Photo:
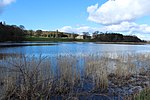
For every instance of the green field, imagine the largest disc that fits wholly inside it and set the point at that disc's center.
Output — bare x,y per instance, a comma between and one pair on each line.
56,39
45,39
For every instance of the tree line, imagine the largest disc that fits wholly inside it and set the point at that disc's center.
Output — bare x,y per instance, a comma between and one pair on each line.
18,33
115,37
11,32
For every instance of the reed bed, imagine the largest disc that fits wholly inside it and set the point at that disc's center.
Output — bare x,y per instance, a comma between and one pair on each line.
65,77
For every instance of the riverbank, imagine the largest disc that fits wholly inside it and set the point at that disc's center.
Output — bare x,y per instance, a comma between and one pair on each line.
43,39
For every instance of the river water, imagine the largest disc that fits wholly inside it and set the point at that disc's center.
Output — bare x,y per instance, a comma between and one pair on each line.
69,48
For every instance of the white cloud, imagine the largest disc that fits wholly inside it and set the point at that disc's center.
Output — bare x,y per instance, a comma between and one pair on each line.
117,11
4,3
129,27
78,30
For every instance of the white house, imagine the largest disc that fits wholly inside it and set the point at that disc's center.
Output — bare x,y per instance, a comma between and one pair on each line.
80,37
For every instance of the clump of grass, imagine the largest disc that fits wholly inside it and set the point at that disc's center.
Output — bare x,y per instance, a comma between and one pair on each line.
97,71
144,95
67,74
125,66
26,79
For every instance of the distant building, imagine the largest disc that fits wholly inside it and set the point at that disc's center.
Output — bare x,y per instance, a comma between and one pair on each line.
83,37
1,23
80,37
57,34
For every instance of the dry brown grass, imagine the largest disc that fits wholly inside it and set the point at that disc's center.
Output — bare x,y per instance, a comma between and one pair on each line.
26,79
97,72
36,77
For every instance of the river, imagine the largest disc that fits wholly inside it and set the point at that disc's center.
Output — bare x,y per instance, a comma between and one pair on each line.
69,48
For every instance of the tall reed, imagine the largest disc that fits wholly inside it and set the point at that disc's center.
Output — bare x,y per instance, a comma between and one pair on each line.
42,77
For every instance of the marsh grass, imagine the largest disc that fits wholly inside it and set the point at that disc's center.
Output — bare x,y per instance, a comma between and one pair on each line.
67,74
125,66
25,78
37,78
97,72
144,95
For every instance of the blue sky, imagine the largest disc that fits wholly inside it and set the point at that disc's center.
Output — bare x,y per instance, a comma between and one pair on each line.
129,17
47,14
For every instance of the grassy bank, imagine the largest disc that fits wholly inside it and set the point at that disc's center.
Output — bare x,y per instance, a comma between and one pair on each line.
45,39
64,77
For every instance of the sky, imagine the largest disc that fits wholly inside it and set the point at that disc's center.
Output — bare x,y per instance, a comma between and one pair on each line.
128,17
